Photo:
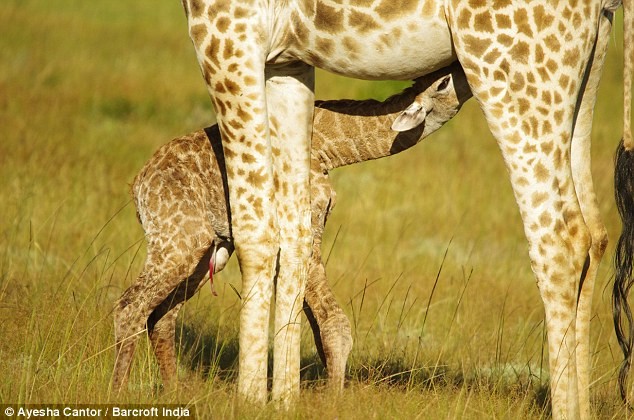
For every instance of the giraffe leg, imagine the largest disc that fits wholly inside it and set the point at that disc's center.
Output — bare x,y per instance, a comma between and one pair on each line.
582,177
156,289
530,102
289,91
231,55
331,327
161,323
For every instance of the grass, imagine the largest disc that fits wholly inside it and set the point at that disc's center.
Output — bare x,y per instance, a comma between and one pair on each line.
435,276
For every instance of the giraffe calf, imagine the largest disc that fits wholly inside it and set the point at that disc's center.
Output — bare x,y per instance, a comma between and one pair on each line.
182,202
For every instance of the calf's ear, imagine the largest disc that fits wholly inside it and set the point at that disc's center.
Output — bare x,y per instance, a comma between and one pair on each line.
412,117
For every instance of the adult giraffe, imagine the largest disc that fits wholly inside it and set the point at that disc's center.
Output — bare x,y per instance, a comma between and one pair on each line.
533,67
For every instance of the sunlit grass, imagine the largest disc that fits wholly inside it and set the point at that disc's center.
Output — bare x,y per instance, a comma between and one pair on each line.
434,276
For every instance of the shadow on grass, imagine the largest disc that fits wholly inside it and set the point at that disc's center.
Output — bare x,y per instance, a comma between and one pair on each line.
216,357
398,374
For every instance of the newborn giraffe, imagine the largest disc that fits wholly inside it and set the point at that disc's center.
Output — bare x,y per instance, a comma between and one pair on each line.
181,200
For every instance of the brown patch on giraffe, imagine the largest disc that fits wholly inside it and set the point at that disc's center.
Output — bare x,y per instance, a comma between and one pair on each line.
362,22
196,8
242,12
328,19
228,51
542,19
538,198
520,17
483,22
222,24
540,172
240,28
394,9
547,148
571,57
552,43
503,21
464,18
325,45
523,106
518,83
213,49
520,52
232,87
198,33
476,46
429,8
545,219
491,57
351,45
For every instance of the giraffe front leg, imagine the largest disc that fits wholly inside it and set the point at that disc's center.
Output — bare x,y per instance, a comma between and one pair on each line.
290,99
231,42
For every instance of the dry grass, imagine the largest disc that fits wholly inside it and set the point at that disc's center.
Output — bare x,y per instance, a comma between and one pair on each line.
89,91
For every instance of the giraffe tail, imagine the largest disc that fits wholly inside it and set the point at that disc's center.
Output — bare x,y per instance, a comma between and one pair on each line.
624,261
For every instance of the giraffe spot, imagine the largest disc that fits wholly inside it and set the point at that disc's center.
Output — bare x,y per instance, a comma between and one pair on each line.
547,147
505,40
240,28
539,54
571,57
235,124
518,83
232,86
491,57
476,46
213,49
394,9
543,74
351,45
520,52
198,33
503,21
539,198
362,22
325,45
228,50
328,19
559,116
196,8
540,172
552,43
222,24
542,19
483,22
523,106
545,219
464,18
429,8
520,17
241,12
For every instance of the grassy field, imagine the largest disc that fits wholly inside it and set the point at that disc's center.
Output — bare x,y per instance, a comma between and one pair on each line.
88,90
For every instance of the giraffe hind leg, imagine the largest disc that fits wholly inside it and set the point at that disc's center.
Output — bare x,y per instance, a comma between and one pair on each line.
161,323
582,178
157,281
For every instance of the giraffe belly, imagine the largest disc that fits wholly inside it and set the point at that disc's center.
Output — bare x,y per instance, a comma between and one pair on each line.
411,44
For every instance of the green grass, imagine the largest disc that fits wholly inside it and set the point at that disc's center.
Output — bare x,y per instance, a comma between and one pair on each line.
88,90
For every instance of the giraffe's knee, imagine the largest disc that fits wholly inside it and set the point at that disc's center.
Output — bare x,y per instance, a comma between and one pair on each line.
599,241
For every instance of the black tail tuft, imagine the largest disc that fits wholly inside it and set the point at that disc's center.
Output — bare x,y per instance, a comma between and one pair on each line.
623,261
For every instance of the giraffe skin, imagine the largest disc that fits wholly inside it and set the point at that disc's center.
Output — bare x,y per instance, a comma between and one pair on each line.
181,200
533,68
